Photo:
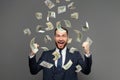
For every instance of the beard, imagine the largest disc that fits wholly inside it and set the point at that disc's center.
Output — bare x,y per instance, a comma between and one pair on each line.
61,44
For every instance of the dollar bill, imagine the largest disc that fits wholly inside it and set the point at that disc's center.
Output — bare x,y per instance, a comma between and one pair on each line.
69,40
33,46
71,5
57,1
49,26
44,48
89,41
68,65
58,25
27,31
51,14
86,27
56,55
49,4
75,15
72,50
78,68
39,29
47,38
67,0
61,9
38,15
79,35
46,64
67,23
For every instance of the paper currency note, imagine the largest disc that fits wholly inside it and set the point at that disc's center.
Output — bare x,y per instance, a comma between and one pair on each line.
61,9
33,46
44,48
68,65
69,40
47,38
86,27
56,55
67,23
51,14
49,4
78,68
27,31
39,29
38,15
71,5
75,15
49,26
46,64
57,1
79,35
89,41
67,0
72,50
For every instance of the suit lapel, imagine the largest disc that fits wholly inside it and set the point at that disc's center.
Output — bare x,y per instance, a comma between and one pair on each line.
67,56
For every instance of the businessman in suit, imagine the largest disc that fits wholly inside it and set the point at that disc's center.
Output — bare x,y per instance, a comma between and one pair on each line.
63,68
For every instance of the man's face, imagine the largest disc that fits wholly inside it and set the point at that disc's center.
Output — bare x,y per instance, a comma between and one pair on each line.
61,38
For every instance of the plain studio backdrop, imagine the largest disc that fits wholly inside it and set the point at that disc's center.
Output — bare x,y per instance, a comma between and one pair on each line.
103,17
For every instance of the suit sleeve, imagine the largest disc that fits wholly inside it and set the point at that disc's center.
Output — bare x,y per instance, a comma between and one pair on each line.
34,65
85,64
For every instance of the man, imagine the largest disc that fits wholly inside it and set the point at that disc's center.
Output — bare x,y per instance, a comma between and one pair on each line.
63,68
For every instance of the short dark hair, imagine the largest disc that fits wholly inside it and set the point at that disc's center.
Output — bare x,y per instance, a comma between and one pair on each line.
62,28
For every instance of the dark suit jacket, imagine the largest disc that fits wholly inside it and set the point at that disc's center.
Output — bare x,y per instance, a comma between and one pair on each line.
53,73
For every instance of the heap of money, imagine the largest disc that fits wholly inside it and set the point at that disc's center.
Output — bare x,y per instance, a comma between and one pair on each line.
56,55
61,9
49,26
75,15
86,27
72,50
27,31
49,4
38,15
79,35
39,29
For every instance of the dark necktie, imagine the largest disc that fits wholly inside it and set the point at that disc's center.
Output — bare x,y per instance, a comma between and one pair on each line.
59,63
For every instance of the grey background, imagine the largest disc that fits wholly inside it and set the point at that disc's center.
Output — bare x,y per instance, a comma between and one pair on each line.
103,17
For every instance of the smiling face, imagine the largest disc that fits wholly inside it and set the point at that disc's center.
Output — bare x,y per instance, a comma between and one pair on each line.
61,38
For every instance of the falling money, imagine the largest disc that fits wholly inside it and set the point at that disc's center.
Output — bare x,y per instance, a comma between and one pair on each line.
71,5
49,4
89,41
86,27
75,15
51,14
68,65
44,48
79,35
57,1
67,23
39,29
72,50
78,68
27,31
56,55
46,64
38,15
61,9
69,40
33,46
50,26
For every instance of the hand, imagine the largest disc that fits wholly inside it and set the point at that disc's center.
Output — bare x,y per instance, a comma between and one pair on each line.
86,47
34,48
